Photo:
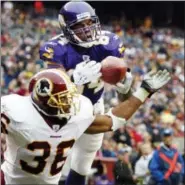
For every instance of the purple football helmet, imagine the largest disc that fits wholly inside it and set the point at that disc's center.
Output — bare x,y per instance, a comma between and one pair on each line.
80,24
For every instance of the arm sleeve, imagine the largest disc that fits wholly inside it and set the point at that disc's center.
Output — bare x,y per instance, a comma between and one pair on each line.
154,167
5,119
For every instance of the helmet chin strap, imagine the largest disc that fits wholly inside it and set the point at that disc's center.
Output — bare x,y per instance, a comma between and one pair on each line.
89,44
86,44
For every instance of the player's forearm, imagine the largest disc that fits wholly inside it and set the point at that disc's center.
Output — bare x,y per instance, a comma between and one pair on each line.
122,112
101,124
118,116
127,108
98,129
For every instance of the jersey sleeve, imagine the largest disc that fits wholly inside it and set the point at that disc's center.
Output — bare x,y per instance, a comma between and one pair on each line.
12,112
53,53
6,121
114,46
87,116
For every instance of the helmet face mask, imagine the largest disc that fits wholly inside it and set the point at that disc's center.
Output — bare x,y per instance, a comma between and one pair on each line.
63,102
86,31
80,24
54,94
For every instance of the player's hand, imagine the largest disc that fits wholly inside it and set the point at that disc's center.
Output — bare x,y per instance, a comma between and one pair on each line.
3,143
124,86
86,71
153,81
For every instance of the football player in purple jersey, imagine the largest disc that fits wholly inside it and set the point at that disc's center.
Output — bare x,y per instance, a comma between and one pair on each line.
79,49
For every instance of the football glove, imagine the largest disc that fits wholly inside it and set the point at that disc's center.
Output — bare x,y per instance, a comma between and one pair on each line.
124,86
152,81
86,71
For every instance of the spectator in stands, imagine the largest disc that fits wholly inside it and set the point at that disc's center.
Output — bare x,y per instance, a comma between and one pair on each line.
122,136
147,138
123,172
167,165
107,149
103,180
141,168
155,131
183,156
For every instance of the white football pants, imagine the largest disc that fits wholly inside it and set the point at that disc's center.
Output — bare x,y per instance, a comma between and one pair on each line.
84,150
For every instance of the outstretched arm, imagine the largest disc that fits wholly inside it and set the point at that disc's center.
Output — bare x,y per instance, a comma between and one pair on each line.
104,123
119,115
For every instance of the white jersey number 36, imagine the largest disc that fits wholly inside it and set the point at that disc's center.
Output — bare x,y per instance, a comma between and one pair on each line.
41,160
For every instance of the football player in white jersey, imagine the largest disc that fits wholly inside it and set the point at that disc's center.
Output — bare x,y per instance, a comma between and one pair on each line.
42,127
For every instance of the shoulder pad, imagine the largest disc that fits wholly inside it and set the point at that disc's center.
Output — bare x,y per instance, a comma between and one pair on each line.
60,39
114,41
83,104
113,44
14,107
54,49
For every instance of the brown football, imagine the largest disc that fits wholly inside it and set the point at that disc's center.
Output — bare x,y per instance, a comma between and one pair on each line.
113,70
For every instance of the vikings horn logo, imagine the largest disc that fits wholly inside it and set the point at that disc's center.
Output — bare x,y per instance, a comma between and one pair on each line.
49,53
44,87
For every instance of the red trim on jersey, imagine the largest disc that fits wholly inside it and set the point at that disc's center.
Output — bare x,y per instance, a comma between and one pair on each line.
2,178
53,121
50,121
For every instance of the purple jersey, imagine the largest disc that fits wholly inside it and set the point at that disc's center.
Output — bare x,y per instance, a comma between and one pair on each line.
60,51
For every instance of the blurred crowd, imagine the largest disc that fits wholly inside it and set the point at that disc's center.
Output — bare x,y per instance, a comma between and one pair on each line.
149,48
146,48
23,31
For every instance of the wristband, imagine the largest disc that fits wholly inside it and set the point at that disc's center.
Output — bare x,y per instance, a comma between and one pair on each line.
116,121
141,94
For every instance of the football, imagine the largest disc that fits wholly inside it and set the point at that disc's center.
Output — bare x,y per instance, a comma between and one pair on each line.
113,70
